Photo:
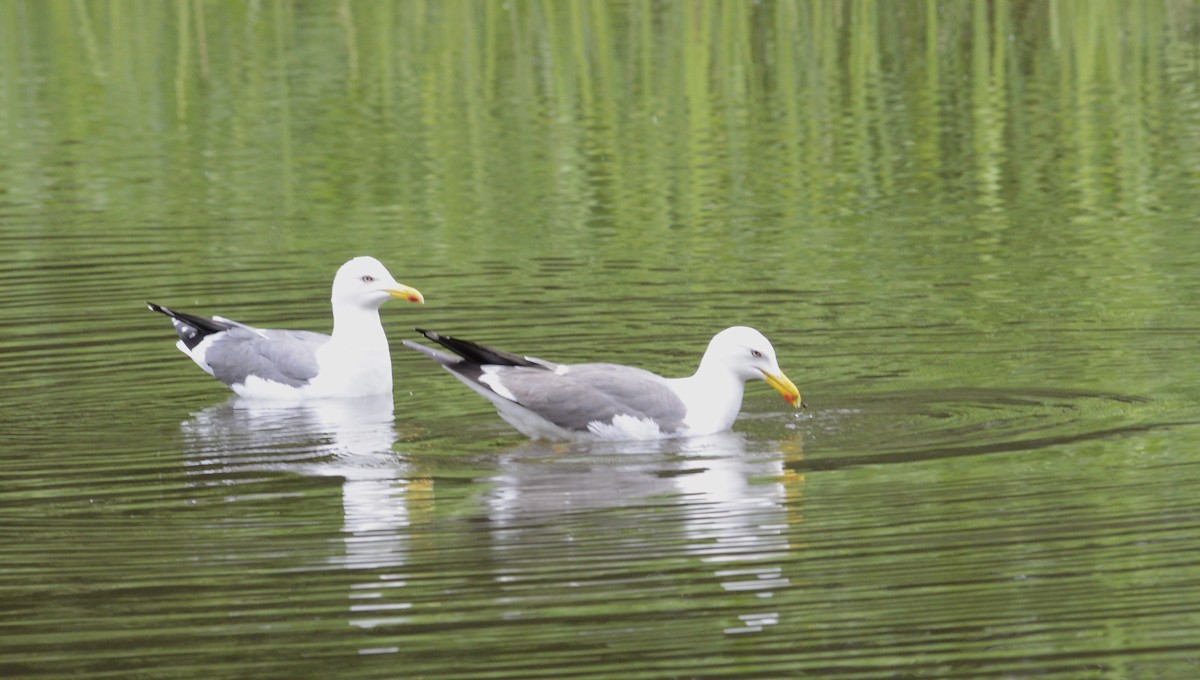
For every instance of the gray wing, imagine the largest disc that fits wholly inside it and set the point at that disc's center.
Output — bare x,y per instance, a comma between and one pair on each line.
586,393
287,357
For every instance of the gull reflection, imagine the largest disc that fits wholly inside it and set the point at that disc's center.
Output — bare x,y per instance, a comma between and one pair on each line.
739,525
731,508
351,437
348,438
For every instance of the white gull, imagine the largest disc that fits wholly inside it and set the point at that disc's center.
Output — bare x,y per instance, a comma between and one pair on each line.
544,400
284,364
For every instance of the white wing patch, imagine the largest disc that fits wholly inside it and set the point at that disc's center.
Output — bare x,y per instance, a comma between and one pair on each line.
626,428
197,353
492,380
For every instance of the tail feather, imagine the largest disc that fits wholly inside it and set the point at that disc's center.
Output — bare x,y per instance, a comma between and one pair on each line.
474,352
191,329
437,355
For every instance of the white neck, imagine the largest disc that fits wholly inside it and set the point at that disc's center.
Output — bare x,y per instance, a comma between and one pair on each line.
358,327
357,360
713,396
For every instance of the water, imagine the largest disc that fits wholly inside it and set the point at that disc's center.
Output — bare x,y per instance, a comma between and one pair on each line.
976,257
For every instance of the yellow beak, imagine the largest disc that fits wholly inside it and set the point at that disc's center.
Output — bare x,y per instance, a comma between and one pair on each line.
407,293
785,387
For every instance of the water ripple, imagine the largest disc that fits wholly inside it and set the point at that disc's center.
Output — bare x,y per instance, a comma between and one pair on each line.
914,426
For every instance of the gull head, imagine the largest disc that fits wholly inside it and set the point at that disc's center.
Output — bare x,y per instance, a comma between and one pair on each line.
365,283
748,354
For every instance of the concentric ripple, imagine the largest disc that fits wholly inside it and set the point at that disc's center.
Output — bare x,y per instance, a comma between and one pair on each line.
918,425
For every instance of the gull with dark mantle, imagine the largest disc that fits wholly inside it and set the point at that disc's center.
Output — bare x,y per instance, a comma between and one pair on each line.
283,364
545,400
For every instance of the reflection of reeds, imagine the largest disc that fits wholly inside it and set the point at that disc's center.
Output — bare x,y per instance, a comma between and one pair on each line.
839,103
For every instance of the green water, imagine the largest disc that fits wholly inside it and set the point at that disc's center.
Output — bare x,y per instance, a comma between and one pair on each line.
969,229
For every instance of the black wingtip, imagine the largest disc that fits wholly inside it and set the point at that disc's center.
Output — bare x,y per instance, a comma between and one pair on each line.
475,352
190,328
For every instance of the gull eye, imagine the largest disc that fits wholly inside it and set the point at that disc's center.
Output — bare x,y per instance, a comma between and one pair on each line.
367,278
756,354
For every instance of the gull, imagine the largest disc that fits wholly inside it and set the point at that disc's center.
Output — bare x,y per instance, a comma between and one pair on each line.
545,400
284,364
